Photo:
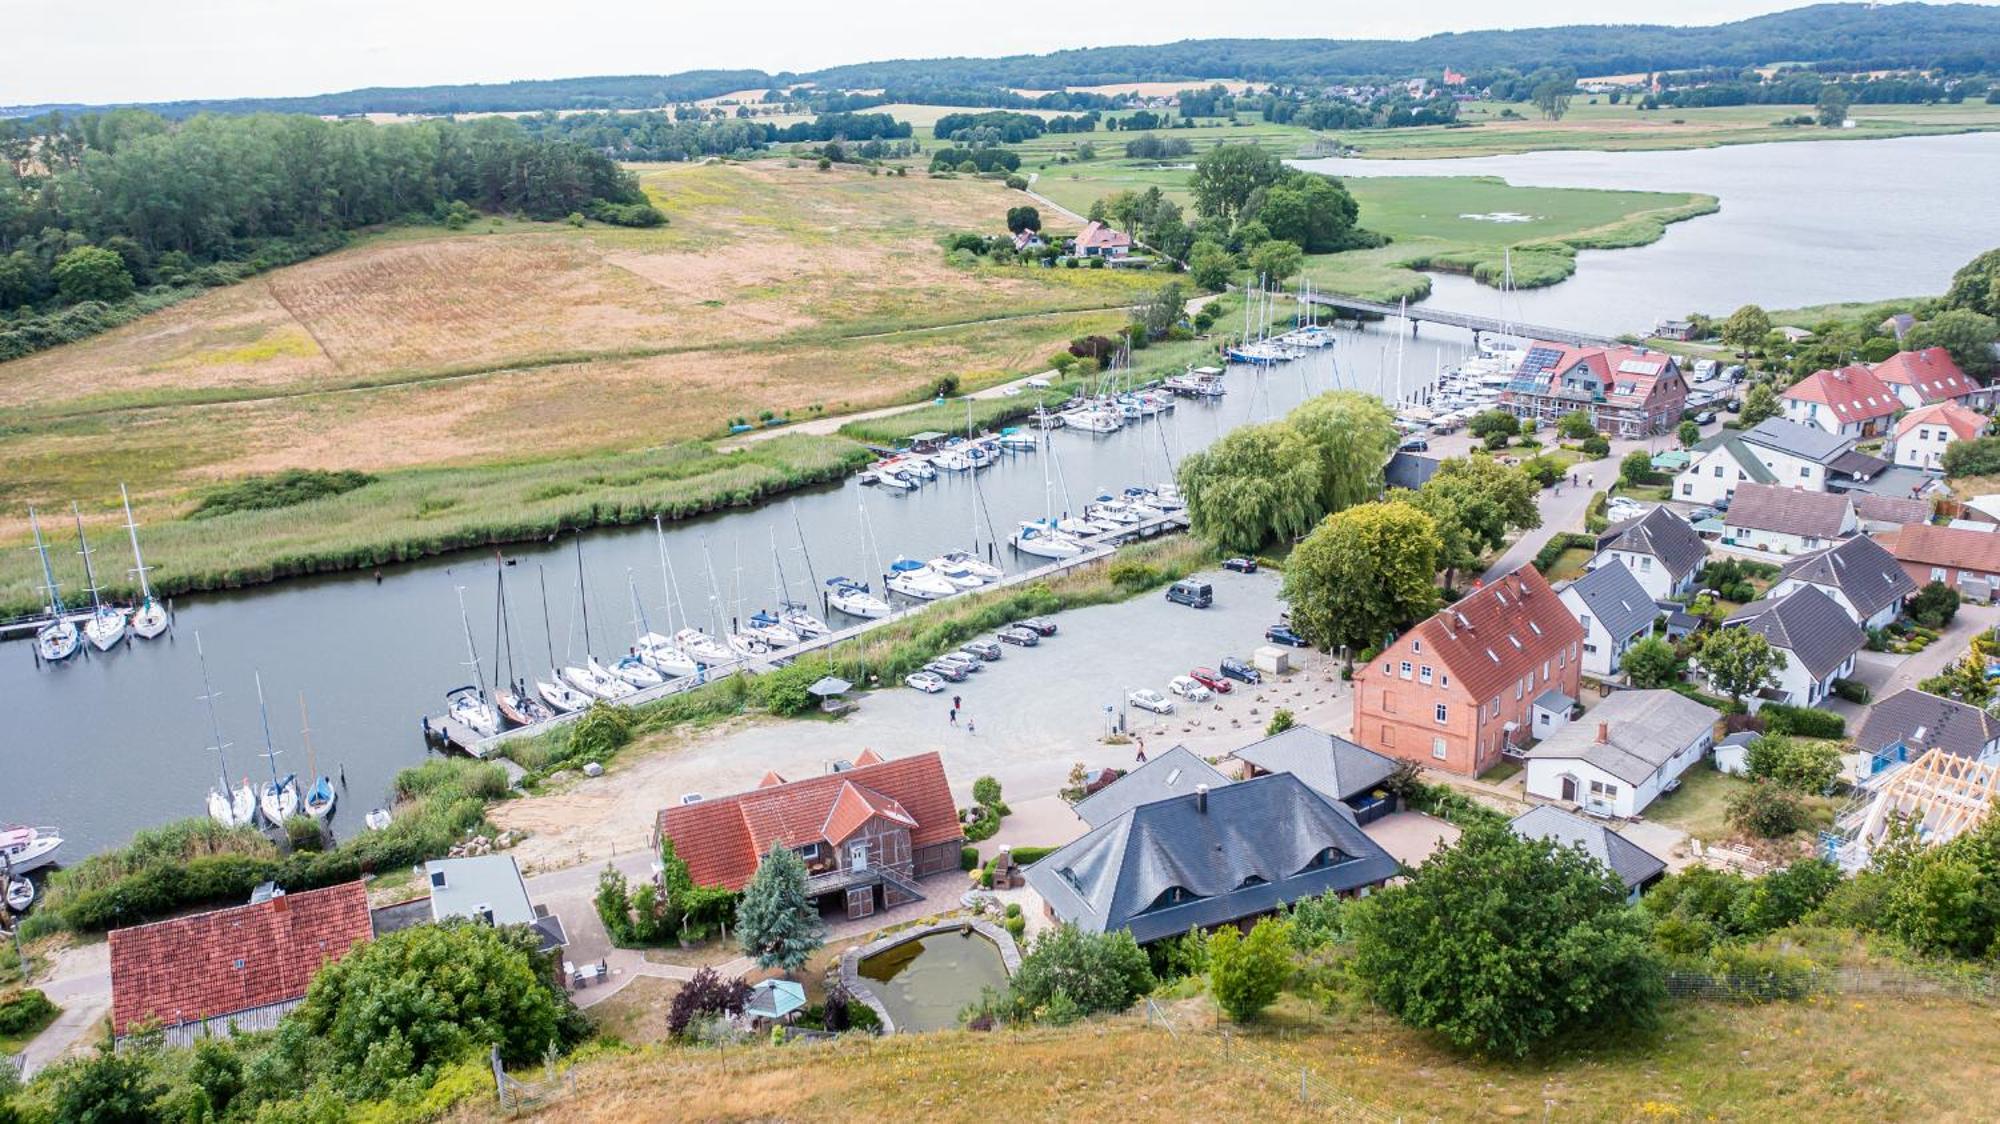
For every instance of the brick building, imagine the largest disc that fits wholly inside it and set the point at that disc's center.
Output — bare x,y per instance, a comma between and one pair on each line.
1459,687
1624,391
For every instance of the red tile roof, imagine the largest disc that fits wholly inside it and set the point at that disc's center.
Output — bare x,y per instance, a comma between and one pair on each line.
1966,424
1854,394
1930,372
770,778
1628,374
230,960
1493,635
1949,547
722,840
868,757
1098,235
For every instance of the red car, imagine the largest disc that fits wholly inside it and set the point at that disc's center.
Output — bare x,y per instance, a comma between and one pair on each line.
1207,677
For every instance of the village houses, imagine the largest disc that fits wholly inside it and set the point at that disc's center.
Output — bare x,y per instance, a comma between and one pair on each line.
1923,434
1859,574
1624,391
1816,637
1660,548
1774,451
1615,613
1781,520
1847,402
1966,560
1625,753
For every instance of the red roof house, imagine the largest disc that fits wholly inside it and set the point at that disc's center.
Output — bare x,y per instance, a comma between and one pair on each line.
1848,402
1920,378
1624,391
865,832
247,964
1923,434
1101,241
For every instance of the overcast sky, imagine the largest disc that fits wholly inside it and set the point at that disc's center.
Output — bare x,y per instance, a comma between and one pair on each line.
159,50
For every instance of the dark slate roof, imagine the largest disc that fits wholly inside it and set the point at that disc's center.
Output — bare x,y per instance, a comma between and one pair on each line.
1642,731
1787,511
1857,464
1662,534
1897,510
1612,595
1256,847
1861,568
1633,864
1924,721
1752,465
1173,773
1808,442
1331,766
1409,470
1808,624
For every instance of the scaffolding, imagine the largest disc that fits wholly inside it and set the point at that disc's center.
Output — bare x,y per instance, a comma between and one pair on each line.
1940,795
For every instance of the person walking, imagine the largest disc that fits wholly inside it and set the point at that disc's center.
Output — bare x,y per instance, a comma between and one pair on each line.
1142,750
957,703
954,715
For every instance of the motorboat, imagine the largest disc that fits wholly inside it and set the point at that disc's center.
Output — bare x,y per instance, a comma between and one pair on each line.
105,626
894,481
20,895
149,617
702,647
1043,542
1093,421
855,599
979,456
29,847
1106,509
800,620
468,707
917,467
1076,525
748,646
765,626
633,669
953,460
970,562
958,576
560,696
1019,442
912,578
663,656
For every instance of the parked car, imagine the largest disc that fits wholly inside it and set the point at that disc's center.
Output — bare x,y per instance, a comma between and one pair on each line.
1190,688
984,649
1414,445
1041,626
1701,513
1145,698
1241,672
962,661
1283,634
1025,637
924,681
1208,677
1706,417
1240,565
951,671
1191,593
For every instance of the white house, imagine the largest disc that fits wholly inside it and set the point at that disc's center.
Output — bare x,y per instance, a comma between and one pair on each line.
1848,402
1660,549
1774,451
1623,753
1920,378
1859,574
1923,434
1615,611
1786,520
1816,637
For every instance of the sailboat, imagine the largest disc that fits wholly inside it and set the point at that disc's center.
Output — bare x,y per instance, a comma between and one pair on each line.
513,700
278,800
467,705
764,624
226,807
318,799
854,597
658,651
1040,538
744,640
634,667
57,640
149,617
797,615
106,626
593,678
553,690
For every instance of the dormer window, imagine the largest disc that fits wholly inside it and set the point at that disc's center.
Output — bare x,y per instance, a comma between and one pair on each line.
1326,857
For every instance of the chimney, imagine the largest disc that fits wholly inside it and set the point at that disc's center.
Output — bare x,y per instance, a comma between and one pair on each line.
1201,798
1603,733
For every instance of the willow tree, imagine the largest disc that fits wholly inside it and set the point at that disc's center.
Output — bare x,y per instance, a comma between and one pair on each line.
1356,436
1363,574
1258,483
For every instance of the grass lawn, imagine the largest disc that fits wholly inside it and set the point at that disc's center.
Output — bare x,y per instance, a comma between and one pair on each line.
1570,564
637,1015
1698,806
1829,1060
1502,773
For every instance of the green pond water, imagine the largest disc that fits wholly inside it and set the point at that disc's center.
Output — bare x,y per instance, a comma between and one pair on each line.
926,982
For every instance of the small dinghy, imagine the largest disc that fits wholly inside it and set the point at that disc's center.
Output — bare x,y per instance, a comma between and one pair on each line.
377,820
20,895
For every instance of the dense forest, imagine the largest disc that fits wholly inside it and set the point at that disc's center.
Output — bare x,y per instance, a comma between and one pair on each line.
659,135
105,216
1952,38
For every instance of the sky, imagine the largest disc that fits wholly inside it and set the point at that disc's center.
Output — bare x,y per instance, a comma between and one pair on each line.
161,50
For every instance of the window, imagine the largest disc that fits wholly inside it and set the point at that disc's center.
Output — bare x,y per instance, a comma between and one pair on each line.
1937,573
1405,670
1388,703
1519,688
1494,710
1416,645
1590,647
1388,737
1687,489
1545,671
1607,791
1440,714
1645,563
1438,749
809,851
1718,472
1806,471
1584,620
1424,675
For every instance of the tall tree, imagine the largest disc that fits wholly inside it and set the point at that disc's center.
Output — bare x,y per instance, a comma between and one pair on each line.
1314,211
1275,260
1832,107
1023,218
1501,943
1209,266
1245,973
1552,97
1474,502
1226,175
1258,483
1976,285
1760,403
1746,328
1969,337
776,921
1363,574
1356,435
1740,661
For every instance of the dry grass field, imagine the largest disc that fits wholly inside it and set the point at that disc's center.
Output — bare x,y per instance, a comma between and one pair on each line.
773,288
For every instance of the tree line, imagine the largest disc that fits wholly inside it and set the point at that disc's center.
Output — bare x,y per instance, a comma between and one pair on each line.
662,136
102,207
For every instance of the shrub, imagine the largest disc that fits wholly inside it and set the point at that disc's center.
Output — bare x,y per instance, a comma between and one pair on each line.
282,489
1800,766
986,790
1016,926
1768,810
1935,605
1802,722
1557,546
968,858
1186,955
1092,972
602,731
1246,973
24,1010
1853,690
1596,445
707,994
1281,720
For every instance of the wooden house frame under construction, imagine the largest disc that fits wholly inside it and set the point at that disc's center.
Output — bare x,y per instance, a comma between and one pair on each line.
1941,794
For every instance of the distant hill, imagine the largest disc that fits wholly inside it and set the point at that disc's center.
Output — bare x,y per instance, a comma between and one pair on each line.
1963,38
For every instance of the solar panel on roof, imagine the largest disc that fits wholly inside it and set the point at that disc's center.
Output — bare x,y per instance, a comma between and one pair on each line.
1541,358
1639,367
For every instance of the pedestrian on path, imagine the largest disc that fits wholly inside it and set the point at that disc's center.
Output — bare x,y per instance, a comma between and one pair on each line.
957,703
1142,750
968,725
954,715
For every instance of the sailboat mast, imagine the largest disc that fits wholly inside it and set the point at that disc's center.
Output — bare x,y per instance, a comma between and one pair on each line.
640,626
214,725
471,654
264,715
48,574
305,735
548,632
812,575
83,548
582,594
504,627
778,571
139,566
667,575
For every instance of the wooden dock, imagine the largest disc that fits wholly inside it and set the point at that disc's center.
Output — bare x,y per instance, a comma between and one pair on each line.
443,733
1418,313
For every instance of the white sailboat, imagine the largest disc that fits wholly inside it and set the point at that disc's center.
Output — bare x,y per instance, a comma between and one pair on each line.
658,651
467,705
230,808
633,667
592,678
797,615
1040,538
558,694
912,578
106,626
279,799
318,798
57,640
149,617
513,699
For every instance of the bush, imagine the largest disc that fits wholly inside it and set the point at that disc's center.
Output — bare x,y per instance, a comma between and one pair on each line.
1016,926
1802,722
1765,809
1853,690
1246,973
1935,604
24,1011
1557,546
282,489
1091,972
1800,766
1596,445
1281,720
986,790
707,994
968,858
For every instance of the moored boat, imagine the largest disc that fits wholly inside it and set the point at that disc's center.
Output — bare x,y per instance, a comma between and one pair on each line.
855,599
29,848
912,578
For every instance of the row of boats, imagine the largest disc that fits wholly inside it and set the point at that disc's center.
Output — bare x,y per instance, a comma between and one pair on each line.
106,625
267,803
1262,345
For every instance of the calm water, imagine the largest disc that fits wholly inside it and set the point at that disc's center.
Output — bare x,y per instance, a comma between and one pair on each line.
1803,223
106,744
926,982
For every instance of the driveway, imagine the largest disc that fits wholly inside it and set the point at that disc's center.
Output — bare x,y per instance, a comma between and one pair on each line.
1949,647
1411,837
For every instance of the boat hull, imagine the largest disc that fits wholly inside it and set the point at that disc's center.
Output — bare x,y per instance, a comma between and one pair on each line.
149,620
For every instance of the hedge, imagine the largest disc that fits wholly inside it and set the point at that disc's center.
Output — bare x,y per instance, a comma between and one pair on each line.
968,858
1801,722
25,1010
1560,544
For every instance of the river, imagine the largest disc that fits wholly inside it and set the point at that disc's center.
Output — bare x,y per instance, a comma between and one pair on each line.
107,744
